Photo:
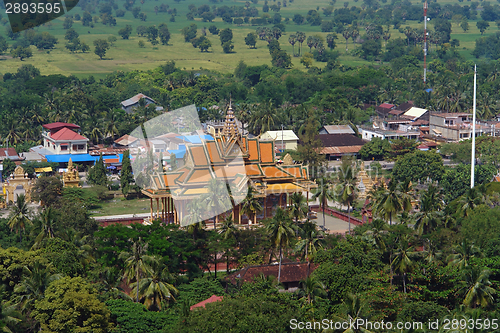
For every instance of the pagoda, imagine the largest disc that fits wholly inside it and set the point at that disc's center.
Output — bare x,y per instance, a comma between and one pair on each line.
239,161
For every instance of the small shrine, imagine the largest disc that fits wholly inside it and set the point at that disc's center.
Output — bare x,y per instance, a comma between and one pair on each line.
19,179
71,178
365,182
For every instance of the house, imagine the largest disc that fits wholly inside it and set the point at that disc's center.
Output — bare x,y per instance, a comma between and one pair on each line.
211,299
11,154
454,126
291,273
285,139
384,109
415,113
132,103
126,141
61,138
337,145
390,129
336,129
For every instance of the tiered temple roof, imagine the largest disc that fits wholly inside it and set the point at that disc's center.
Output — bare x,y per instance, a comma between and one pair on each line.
238,160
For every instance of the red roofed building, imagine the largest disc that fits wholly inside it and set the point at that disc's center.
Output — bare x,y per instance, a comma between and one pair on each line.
202,304
61,138
384,109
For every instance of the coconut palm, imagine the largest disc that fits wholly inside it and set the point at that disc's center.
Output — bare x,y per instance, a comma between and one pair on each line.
311,289
298,208
154,287
347,186
478,288
47,222
111,279
310,241
9,316
402,262
470,200
323,193
281,230
251,206
375,234
352,310
217,198
20,216
463,254
228,231
34,282
429,214
387,201
137,262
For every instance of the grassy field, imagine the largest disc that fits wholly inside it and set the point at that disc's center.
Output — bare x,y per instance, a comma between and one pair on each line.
120,207
126,55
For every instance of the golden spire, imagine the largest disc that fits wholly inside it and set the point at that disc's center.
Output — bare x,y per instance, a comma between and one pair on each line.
230,128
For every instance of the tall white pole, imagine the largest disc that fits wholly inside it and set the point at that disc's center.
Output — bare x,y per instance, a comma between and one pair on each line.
473,155
425,41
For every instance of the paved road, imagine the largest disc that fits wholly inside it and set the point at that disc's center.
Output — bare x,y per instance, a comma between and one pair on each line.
334,224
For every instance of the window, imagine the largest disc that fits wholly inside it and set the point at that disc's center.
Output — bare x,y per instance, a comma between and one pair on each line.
64,147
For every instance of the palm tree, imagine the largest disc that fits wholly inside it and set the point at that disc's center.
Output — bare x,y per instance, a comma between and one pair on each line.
154,288
20,216
387,201
280,230
463,254
47,225
217,198
299,208
323,193
479,291
110,122
13,133
9,316
111,278
292,40
301,37
251,206
311,288
376,233
352,309
137,262
346,189
309,242
470,200
402,261
429,214
228,230
34,282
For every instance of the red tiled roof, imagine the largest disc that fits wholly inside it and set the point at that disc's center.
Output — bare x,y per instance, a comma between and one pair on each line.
386,105
212,299
58,125
8,152
290,272
67,134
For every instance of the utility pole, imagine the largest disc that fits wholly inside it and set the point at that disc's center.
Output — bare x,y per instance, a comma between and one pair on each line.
425,42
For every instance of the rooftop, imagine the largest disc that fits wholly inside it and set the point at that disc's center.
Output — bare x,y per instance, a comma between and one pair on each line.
278,135
386,106
415,113
451,114
338,129
134,100
66,134
59,125
340,140
290,272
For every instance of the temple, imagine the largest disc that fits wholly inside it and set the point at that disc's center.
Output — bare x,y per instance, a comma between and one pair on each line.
236,161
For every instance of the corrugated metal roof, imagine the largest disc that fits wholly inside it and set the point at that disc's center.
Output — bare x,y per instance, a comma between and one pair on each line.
135,99
415,112
277,135
338,129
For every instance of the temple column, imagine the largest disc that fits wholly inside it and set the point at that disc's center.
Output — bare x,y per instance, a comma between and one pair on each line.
151,202
239,214
168,209
175,215
265,207
163,210
281,201
157,208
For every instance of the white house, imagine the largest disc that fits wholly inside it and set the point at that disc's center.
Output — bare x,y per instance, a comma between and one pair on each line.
61,138
285,139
